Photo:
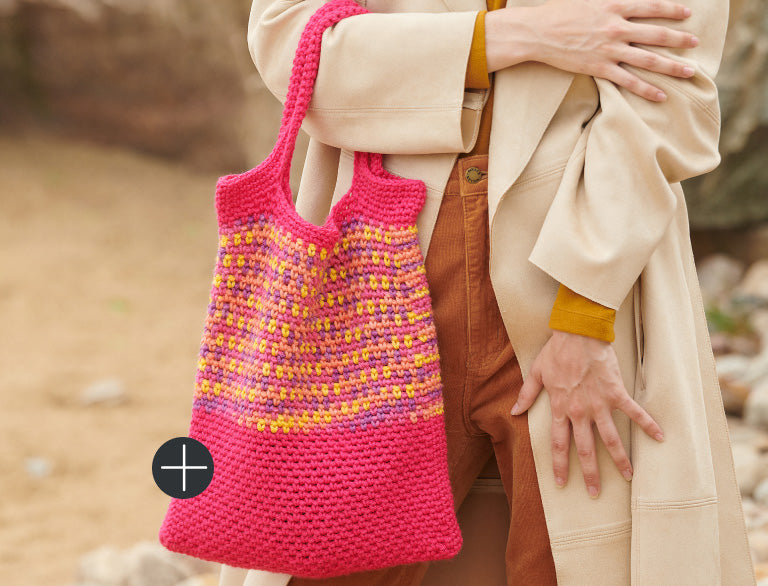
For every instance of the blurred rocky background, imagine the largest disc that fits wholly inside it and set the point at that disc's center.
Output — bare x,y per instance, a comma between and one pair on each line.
116,118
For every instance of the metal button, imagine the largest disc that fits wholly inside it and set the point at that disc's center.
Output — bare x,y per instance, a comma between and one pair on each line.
473,175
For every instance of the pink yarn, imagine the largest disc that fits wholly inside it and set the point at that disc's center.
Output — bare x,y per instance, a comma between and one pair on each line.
318,388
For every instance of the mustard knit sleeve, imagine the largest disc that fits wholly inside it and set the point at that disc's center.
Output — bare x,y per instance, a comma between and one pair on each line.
477,67
576,314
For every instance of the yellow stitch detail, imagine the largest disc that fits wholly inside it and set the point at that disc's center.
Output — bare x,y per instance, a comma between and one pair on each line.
224,240
231,281
286,330
227,260
409,390
336,389
265,369
262,345
240,260
396,391
217,280
217,389
279,371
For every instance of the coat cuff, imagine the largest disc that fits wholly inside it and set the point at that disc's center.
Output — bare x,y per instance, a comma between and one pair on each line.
477,66
576,314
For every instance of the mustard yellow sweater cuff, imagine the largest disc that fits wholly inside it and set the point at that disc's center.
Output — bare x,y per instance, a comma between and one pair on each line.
477,67
576,314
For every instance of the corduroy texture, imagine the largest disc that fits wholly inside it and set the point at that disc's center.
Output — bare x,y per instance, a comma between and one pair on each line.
318,389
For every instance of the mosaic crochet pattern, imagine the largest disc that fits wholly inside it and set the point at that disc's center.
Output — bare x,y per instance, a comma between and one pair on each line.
318,386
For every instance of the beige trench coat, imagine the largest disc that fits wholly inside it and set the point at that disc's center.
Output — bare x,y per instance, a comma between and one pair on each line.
584,189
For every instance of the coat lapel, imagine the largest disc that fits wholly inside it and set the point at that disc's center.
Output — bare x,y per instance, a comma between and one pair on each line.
525,99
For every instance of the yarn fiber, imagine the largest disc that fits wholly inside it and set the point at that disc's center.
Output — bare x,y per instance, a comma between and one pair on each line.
318,389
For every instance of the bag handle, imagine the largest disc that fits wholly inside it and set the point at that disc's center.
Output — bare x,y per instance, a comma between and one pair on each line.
303,74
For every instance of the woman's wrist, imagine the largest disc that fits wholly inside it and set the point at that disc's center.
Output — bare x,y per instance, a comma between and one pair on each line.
510,37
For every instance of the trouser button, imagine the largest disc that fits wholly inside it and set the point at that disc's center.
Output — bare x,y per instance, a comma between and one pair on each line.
473,175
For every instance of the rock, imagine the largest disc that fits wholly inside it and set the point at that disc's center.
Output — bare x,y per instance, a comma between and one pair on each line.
718,275
755,282
150,564
731,370
732,366
756,406
734,194
105,566
758,541
170,77
748,466
760,494
724,343
761,573
38,467
110,391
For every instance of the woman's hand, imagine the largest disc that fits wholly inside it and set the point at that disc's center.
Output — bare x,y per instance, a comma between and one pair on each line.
591,37
581,375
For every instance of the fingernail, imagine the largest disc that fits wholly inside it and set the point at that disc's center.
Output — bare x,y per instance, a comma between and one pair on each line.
515,409
687,11
659,437
559,481
661,96
694,41
593,492
627,475
688,70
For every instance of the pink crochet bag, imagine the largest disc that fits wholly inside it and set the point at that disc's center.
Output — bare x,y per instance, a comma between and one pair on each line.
318,389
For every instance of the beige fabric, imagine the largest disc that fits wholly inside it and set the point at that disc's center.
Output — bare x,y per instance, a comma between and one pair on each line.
584,190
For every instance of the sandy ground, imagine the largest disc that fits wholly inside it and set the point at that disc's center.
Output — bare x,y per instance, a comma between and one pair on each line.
106,259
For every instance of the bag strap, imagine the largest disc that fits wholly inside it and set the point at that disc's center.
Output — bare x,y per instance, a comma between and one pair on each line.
303,74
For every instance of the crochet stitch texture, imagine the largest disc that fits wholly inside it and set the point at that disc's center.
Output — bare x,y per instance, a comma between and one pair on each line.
318,389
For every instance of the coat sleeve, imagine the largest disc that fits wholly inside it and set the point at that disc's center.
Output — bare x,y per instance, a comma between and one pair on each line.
618,197
387,82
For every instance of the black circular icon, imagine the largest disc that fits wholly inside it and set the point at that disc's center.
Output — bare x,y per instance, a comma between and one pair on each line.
182,467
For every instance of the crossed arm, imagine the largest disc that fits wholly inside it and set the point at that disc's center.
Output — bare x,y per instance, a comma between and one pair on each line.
674,136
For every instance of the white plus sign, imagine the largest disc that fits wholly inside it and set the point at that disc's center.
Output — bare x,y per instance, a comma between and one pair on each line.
184,467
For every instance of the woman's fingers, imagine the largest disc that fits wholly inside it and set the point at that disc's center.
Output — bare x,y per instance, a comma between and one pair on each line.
561,447
624,78
610,436
584,439
655,62
652,9
661,36
640,416
531,388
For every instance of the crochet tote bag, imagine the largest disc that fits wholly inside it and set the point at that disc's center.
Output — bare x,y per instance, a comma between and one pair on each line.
318,389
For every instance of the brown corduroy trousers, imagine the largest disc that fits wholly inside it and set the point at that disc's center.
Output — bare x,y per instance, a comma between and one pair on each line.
490,461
